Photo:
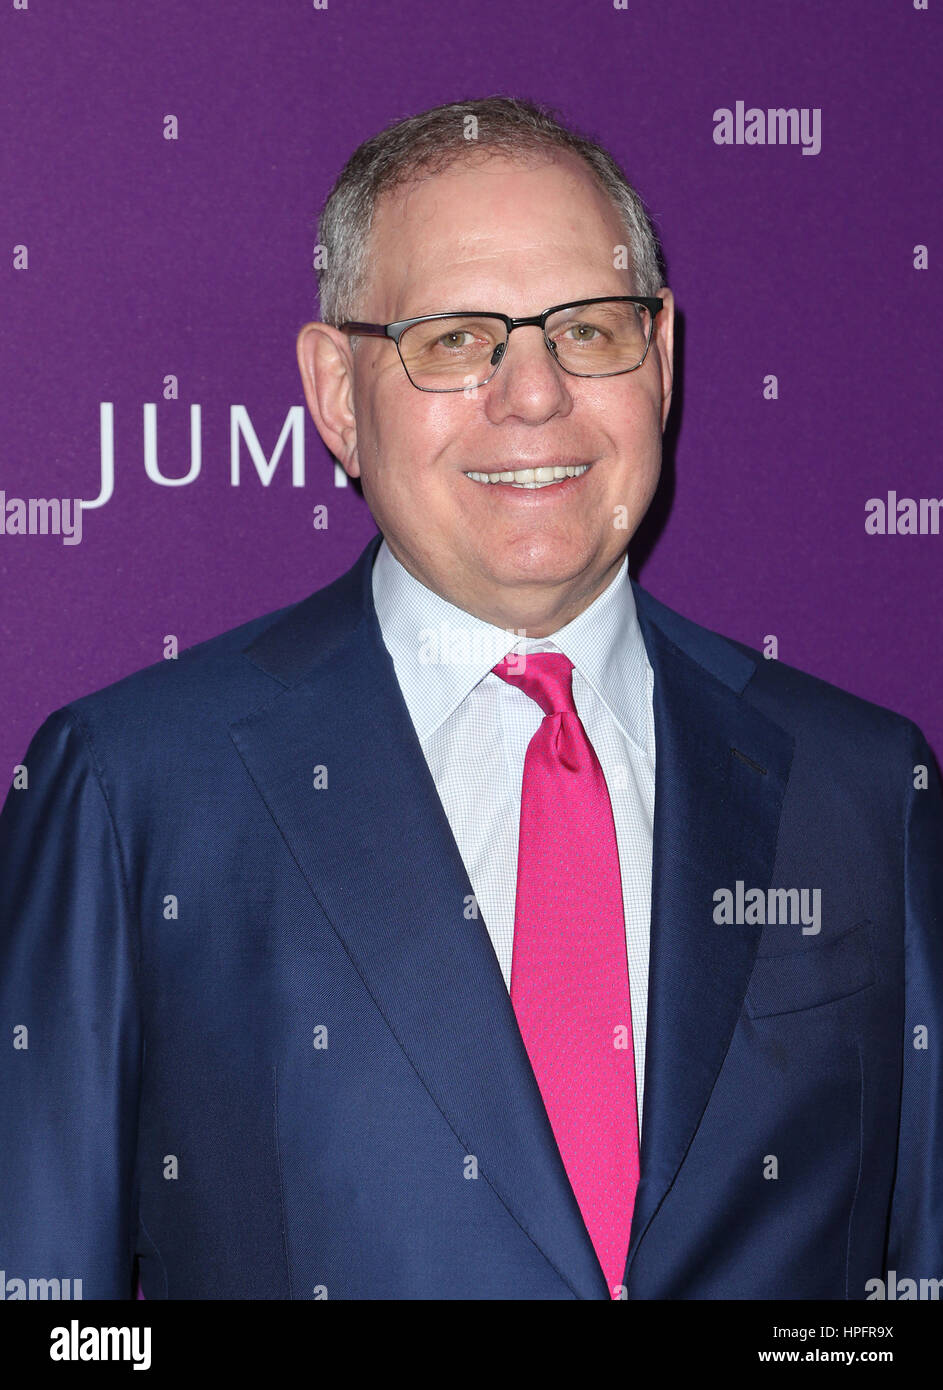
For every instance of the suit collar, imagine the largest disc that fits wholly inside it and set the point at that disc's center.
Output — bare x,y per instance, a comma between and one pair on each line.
320,626
717,656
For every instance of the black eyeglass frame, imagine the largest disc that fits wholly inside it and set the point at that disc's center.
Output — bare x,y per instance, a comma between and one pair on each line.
396,330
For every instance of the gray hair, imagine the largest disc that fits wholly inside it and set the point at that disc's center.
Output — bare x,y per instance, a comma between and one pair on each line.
431,142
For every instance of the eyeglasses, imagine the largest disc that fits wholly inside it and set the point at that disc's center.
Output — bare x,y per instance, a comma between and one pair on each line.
463,349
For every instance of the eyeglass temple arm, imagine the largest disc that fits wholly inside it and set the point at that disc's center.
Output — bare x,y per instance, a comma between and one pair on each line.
369,330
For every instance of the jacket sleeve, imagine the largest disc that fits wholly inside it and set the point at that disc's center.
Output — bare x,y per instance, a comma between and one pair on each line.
70,1033
915,1247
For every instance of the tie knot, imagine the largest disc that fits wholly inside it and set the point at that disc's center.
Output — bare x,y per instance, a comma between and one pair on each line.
546,677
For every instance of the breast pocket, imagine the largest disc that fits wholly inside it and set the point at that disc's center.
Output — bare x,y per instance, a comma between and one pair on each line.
787,981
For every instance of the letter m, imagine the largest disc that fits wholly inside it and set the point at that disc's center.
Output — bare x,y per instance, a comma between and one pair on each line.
240,427
116,1344
41,511
784,906
930,515
44,1288
785,124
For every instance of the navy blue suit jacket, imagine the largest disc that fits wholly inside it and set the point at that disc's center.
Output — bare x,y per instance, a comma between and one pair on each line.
185,915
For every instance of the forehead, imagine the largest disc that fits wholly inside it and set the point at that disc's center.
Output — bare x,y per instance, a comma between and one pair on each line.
496,224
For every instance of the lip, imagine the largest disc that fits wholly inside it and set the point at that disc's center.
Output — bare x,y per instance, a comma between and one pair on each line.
559,488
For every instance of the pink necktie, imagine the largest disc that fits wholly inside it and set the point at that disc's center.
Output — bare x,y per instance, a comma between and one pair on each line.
569,975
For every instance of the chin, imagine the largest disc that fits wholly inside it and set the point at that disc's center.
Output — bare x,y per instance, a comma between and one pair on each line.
530,562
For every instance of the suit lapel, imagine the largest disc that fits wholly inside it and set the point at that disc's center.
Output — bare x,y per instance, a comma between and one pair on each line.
721,773
379,856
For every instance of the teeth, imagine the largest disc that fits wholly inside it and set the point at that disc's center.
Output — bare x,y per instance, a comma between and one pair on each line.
531,477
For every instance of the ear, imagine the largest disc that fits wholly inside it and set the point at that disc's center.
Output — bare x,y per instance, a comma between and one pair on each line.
325,361
664,343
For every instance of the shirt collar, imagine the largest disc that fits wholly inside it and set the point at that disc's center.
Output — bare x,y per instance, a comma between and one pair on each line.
440,652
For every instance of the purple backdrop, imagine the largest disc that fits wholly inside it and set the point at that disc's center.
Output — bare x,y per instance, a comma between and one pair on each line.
147,258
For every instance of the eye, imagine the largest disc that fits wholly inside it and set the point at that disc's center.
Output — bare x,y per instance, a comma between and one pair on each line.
582,332
455,338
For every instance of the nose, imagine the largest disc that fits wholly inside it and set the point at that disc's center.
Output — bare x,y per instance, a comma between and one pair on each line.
530,384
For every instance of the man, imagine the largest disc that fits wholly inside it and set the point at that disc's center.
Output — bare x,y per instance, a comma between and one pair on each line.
477,927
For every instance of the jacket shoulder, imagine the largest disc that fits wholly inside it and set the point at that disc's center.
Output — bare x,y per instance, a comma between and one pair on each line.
214,668
792,697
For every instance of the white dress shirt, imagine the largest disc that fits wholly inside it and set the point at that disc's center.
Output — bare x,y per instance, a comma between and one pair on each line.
474,728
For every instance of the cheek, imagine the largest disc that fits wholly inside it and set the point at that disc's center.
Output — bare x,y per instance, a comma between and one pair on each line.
411,429
404,456
626,410
638,436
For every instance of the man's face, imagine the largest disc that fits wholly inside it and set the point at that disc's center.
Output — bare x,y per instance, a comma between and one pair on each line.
516,239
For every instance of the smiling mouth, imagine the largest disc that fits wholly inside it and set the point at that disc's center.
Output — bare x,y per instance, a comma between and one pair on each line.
532,477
